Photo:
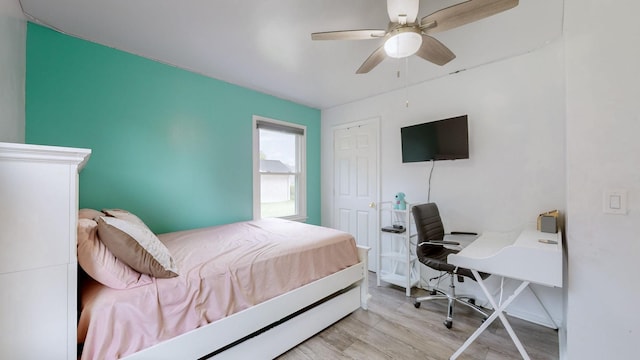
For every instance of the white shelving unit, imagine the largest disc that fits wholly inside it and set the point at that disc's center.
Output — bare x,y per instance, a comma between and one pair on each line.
397,261
38,263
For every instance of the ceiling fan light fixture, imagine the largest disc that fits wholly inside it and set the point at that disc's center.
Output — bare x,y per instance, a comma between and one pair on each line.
403,42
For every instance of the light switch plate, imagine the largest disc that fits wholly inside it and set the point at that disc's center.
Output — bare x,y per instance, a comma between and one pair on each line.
614,201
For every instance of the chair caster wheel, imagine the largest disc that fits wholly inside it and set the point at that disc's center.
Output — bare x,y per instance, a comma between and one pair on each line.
433,292
416,304
448,324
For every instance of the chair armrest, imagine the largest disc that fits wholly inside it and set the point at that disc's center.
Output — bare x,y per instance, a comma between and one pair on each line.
463,233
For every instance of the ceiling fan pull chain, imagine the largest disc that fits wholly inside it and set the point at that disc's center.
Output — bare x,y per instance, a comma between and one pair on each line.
406,84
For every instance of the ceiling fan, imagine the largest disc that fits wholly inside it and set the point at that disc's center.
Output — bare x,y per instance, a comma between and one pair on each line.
405,36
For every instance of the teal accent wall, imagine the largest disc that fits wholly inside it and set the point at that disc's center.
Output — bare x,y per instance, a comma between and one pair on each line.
169,145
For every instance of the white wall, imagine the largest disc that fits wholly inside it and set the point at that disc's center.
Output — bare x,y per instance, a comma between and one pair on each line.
13,33
603,151
516,168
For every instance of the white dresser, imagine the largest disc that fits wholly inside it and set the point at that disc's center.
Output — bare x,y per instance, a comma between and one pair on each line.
38,264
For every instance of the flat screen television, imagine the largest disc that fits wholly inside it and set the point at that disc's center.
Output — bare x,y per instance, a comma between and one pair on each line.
446,139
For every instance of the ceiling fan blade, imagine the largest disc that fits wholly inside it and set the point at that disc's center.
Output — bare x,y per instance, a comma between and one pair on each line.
464,13
406,8
434,51
372,61
349,35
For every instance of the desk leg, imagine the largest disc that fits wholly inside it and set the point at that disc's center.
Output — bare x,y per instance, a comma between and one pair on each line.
498,312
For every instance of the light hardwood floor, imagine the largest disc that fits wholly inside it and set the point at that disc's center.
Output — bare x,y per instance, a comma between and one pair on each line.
393,328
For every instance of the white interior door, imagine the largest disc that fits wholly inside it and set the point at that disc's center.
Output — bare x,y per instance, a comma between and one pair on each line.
355,192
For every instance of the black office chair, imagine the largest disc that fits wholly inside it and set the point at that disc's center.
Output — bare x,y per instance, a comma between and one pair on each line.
432,252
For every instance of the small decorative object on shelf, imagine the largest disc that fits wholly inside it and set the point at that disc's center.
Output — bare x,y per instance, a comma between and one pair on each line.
400,203
393,229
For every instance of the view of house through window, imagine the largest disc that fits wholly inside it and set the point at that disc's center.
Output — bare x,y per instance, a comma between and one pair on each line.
280,170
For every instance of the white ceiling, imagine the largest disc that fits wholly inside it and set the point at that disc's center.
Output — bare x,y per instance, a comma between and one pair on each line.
266,44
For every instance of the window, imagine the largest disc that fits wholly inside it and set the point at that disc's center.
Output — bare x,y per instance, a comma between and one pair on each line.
279,169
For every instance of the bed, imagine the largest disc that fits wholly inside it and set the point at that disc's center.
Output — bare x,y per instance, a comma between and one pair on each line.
251,289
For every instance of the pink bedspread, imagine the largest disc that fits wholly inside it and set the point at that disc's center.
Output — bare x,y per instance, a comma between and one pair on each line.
223,270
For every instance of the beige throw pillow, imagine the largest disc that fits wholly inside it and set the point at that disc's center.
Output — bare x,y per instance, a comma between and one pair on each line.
124,215
135,245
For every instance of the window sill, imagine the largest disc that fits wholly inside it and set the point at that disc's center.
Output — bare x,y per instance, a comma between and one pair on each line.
298,218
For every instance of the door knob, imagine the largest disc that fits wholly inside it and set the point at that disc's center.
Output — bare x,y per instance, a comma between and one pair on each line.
372,205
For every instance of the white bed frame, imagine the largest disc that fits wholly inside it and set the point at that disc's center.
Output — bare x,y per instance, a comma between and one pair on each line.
269,329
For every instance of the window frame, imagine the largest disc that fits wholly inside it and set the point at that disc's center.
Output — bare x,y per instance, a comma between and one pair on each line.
301,159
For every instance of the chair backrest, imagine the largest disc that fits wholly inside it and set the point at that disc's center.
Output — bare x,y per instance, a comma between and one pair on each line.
428,222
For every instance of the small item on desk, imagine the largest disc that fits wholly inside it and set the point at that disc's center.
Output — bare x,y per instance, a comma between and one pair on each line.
548,222
547,241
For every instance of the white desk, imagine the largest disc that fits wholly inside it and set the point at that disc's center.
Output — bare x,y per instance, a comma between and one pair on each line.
522,257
